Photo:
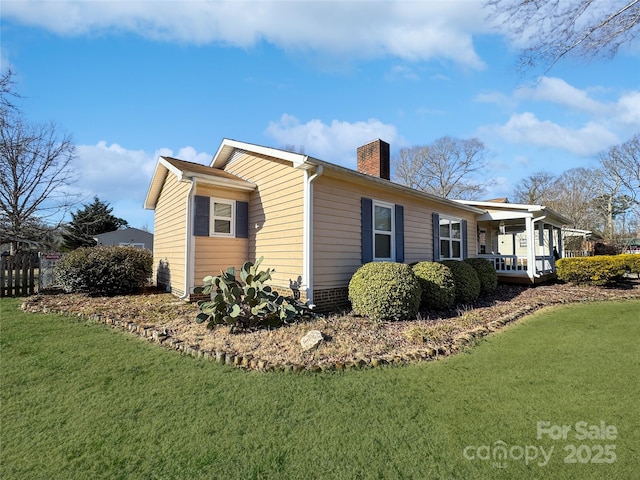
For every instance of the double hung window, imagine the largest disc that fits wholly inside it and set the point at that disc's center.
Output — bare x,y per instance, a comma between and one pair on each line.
222,217
450,239
383,231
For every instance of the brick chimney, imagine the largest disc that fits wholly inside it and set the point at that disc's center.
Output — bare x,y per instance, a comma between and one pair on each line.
373,159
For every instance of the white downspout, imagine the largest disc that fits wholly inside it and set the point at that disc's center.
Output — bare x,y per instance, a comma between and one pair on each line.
307,249
188,240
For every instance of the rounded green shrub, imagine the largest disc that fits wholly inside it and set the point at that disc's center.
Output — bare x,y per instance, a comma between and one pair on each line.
486,274
385,291
438,285
104,270
466,281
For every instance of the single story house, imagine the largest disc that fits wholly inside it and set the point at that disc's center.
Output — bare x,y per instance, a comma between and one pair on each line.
131,237
313,221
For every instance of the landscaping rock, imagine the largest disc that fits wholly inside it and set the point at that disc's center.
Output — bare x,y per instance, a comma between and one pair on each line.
311,340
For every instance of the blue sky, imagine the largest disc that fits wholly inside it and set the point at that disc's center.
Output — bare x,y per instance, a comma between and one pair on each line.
134,80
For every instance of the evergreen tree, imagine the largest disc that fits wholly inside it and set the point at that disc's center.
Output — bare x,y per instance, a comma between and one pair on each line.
91,220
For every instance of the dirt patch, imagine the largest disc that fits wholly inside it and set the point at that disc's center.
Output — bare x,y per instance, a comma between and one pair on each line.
348,339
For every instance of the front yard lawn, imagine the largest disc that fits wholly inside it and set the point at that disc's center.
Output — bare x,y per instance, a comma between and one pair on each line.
82,400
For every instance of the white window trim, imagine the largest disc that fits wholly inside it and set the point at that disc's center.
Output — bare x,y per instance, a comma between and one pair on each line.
213,218
451,239
392,233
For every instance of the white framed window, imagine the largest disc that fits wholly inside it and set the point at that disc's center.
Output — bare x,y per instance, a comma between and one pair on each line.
383,231
222,218
450,238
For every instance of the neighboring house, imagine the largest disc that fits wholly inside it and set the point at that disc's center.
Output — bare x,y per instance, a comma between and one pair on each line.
132,237
632,246
314,222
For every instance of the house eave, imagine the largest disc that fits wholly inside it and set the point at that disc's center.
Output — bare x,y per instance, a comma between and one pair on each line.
303,162
228,147
364,179
505,211
163,168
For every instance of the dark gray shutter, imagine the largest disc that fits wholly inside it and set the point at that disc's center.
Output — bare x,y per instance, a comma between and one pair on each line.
366,218
399,233
463,232
242,219
436,236
201,207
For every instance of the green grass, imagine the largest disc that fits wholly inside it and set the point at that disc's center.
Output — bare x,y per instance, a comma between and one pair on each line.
80,400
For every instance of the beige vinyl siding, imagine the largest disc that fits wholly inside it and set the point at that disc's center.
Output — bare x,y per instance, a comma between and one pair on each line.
275,214
216,254
337,225
169,233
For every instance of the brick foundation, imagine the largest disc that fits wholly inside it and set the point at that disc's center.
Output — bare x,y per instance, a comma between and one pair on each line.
331,300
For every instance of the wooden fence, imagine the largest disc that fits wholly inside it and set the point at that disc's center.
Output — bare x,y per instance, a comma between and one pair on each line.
19,274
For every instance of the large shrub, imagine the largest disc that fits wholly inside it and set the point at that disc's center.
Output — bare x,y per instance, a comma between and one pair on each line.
486,274
466,281
632,263
438,285
104,270
598,270
246,303
385,291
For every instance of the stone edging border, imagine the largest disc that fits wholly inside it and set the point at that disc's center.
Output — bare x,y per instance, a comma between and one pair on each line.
248,362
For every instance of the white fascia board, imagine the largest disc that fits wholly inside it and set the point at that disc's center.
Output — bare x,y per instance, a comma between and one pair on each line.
222,182
228,146
500,205
157,180
504,215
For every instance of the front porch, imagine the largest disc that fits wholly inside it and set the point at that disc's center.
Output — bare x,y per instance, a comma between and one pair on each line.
521,241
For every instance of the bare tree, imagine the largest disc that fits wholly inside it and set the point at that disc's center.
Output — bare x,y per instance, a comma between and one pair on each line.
446,168
35,163
7,94
536,189
622,162
558,28
620,183
574,197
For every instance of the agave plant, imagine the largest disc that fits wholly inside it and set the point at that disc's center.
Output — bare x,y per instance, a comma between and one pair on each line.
247,303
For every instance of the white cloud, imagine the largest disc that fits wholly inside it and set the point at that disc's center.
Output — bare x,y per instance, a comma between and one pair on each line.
526,128
336,142
556,90
121,176
628,109
414,31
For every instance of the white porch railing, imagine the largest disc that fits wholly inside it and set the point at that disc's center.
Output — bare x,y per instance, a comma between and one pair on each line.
507,263
516,264
545,264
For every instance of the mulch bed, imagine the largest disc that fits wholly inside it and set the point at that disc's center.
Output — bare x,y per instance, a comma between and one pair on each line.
349,341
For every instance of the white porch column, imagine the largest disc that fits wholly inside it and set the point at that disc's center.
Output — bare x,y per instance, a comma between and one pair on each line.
551,245
531,248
